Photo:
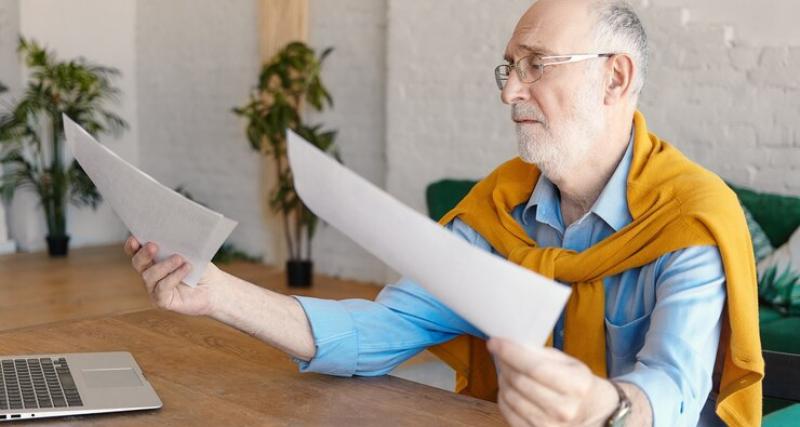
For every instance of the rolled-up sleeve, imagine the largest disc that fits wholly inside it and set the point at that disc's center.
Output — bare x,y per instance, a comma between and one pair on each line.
361,337
674,367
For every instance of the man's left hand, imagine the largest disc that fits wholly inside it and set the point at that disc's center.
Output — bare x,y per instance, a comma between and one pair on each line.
546,387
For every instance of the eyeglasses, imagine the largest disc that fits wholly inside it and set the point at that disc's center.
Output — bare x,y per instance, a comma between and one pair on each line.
531,68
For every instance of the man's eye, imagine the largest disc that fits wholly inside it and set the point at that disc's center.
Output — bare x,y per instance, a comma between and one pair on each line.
533,61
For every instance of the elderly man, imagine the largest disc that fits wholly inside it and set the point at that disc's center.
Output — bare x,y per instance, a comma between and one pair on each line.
655,248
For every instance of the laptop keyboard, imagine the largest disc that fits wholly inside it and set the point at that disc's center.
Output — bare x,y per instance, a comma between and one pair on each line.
37,383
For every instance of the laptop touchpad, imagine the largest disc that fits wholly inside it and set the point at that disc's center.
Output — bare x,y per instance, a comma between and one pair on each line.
119,377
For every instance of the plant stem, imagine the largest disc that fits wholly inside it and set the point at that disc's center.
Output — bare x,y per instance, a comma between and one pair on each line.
298,224
284,213
308,243
59,183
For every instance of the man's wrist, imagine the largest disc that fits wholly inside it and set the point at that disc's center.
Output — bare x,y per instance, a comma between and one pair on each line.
604,403
219,287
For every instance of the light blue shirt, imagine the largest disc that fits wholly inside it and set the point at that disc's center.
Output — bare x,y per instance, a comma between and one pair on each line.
662,320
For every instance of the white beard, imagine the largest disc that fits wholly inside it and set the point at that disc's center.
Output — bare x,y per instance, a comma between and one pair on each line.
556,148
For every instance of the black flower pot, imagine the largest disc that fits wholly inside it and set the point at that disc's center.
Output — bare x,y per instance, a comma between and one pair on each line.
58,246
299,273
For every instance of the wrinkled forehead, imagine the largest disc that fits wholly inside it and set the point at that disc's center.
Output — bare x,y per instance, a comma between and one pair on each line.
552,27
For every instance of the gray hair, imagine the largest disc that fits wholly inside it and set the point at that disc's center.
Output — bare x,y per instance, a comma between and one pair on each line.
619,30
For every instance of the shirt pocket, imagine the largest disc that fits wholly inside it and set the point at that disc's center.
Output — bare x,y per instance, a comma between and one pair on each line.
625,340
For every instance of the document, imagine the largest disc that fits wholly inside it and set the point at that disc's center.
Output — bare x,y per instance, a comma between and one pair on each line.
151,211
500,298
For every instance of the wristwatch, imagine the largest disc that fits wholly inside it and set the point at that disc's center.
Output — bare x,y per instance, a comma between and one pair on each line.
618,417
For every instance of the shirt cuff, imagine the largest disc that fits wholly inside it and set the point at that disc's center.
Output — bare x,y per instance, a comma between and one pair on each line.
334,336
661,391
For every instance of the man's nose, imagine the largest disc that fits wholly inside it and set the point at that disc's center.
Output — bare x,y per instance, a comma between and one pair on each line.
515,90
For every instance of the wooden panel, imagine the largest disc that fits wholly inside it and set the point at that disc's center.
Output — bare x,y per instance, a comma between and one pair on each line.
282,21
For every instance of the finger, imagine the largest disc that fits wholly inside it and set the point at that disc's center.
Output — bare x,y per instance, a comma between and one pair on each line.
521,407
144,257
165,288
542,366
160,270
550,353
131,246
513,419
556,405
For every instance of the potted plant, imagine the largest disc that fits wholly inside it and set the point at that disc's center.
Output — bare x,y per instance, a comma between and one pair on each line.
288,83
32,135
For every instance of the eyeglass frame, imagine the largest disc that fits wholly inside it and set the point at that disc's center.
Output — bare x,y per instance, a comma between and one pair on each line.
572,58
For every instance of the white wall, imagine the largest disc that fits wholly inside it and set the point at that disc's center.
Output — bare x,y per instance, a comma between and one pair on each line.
9,28
9,76
196,61
355,73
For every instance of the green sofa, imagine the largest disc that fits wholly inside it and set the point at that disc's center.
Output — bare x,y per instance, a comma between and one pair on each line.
778,215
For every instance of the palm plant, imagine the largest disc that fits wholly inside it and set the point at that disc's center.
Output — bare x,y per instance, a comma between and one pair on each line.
287,84
31,133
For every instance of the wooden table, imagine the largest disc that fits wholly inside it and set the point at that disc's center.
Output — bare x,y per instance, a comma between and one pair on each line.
205,372
209,374
37,289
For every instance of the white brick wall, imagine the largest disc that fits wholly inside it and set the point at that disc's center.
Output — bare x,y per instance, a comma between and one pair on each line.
723,87
444,115
355,73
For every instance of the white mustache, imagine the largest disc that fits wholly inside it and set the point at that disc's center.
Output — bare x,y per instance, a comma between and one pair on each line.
526,112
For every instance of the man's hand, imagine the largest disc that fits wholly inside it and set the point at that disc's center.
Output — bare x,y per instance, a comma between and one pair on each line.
277,319
545,387
163,280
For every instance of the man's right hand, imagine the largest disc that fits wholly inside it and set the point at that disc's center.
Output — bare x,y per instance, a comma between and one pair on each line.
163,280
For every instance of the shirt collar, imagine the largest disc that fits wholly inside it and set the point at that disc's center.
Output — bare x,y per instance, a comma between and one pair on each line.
611,206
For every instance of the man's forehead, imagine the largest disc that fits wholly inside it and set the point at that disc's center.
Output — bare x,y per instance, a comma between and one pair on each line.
551,27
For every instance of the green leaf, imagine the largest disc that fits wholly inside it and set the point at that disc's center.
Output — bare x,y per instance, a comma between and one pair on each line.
780,287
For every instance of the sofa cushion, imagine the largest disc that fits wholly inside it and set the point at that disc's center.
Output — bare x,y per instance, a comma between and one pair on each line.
778,215
444,195
779,277
788,416
781,335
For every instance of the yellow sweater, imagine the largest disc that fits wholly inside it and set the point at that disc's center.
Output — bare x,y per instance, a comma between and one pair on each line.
674,204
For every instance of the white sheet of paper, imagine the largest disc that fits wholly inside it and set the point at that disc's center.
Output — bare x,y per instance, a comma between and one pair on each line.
151,211
499,297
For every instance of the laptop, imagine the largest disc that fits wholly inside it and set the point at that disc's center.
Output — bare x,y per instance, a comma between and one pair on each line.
54,385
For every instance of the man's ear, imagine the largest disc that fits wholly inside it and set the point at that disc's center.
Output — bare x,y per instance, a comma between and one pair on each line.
619,85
